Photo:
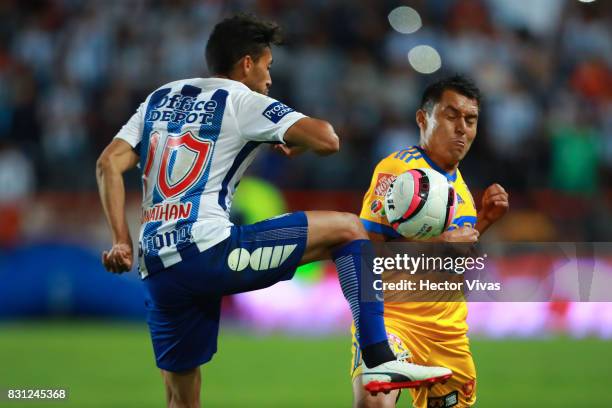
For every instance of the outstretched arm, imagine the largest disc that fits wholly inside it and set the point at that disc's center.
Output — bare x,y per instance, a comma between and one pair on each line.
314,134
117,158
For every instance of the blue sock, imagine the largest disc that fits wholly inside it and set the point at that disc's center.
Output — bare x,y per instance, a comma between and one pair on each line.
366,308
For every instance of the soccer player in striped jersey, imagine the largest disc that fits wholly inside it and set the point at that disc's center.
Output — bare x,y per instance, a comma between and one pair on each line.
193,140
433,332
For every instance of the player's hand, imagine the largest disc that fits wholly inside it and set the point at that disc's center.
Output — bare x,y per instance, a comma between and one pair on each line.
495,203
119,259
461,234
289,151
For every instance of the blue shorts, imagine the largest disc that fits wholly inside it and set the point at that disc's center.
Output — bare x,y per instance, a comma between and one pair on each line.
183,301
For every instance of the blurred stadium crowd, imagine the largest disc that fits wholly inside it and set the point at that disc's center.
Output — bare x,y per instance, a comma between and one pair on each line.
72,72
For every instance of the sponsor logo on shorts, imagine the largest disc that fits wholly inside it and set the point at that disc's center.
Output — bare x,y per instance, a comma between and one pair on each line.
468,388
261,259
383,182
445,401
276,111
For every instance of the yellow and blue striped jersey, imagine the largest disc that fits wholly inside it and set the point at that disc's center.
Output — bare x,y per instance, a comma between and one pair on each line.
433,319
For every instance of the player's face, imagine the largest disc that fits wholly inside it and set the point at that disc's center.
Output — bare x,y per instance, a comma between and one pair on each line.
449,131
258,75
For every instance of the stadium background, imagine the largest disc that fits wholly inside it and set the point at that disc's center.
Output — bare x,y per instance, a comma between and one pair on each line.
72,72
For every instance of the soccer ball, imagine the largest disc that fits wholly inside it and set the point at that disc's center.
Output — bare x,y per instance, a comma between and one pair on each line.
420,204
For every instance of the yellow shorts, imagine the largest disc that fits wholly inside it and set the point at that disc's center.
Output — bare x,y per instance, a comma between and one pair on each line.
454,353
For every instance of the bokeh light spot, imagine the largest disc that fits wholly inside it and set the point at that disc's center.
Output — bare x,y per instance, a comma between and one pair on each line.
405,20
424,59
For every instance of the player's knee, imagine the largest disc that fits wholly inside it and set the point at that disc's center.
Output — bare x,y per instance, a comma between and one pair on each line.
351,228
182,389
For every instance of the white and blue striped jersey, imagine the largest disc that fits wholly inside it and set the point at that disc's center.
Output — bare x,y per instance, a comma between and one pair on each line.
196,137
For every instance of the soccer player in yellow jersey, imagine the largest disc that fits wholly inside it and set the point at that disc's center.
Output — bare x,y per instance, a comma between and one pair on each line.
433,333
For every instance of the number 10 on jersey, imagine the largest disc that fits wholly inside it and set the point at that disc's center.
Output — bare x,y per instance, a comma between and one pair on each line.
183,161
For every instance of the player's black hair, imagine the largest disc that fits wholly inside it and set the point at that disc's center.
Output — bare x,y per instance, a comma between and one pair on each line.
236,37
458,83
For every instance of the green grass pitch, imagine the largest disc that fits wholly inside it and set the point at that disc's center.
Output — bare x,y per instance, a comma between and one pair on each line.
111,365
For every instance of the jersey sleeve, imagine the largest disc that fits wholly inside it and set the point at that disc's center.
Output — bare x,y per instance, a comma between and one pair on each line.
131,132
372,213
465,214
263,119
